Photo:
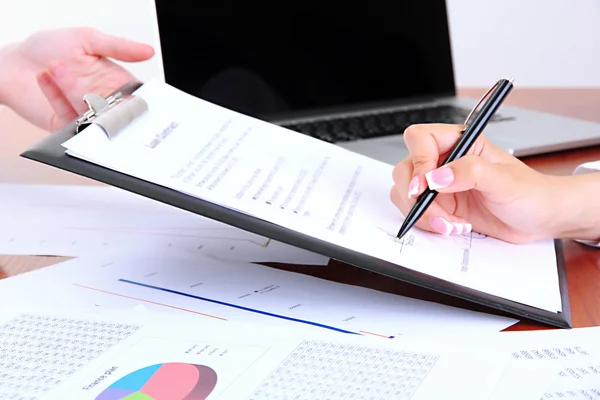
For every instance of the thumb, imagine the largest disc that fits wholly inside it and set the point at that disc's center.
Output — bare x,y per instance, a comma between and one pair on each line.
471,172
100,44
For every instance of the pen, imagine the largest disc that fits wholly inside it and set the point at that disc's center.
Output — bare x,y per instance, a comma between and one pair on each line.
471,131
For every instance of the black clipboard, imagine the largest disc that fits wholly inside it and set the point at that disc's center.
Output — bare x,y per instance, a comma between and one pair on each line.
51,152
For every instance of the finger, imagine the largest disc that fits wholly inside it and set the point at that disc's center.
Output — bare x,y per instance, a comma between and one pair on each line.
472,172
68,85
435,219
64,112
425,144
439,216
100,44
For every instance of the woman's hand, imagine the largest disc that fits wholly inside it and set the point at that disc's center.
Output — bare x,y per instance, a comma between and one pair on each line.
45,77
488,190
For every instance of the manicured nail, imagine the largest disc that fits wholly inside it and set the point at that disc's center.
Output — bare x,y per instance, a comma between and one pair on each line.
457,228
413,187
440,178
468,228
440,225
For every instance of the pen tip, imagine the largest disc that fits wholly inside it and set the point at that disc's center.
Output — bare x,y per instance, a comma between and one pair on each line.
510,79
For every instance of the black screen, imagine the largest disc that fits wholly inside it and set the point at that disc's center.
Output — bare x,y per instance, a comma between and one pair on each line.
266,58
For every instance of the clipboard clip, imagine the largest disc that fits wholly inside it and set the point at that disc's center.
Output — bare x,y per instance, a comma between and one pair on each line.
112,113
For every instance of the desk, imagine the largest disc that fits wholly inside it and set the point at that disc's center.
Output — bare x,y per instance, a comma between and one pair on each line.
583,263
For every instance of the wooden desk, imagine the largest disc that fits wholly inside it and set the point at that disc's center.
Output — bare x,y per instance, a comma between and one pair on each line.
583,263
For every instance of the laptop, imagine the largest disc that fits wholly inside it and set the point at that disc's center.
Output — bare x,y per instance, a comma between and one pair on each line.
354,74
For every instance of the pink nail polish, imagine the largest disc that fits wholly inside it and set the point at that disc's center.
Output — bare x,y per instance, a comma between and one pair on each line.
468,228
413,187
440,178
440,225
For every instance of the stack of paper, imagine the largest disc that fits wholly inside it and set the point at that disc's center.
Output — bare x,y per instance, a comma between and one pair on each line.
309,186
81,354
168,305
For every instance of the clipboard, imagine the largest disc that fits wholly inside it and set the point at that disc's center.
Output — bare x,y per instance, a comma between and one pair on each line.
114,112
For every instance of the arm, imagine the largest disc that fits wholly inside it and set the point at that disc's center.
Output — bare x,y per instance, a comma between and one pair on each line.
581,200
578,209
492,192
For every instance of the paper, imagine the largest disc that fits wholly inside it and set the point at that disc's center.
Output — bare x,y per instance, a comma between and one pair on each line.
525,380
88,355
91,220
576,352
588,167
307,185
241,292
569,358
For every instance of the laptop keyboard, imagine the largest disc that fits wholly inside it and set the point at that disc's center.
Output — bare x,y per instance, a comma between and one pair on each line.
379,124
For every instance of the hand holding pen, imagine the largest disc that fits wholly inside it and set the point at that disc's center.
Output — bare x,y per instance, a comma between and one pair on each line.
472,174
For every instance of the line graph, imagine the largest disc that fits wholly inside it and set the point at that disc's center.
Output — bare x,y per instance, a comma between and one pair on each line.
252,310
148,301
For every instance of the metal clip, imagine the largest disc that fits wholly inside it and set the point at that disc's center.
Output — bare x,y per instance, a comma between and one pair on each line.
103,112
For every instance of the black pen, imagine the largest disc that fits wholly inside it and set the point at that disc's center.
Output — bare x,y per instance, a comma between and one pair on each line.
471,131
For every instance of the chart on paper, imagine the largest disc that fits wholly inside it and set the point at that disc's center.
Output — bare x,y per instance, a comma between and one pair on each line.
243,292
38,353
573,356
160,367
342,371
249,292
580,377
182,381
163,368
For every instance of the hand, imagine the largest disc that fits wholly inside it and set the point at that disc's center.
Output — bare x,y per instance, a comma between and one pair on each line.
487,190
48,74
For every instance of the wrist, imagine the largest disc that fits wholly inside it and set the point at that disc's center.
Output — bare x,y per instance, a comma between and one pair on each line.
576,214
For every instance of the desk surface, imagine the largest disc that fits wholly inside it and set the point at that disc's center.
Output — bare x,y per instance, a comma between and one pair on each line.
582,262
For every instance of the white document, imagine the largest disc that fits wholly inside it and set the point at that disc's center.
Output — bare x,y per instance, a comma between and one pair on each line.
576,352
588,167
307,185
99,220
567,359
93,355
241,292
525,380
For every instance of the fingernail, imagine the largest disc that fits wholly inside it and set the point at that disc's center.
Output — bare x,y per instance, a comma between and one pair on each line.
413,187
440,178
457,228
468,228
440,225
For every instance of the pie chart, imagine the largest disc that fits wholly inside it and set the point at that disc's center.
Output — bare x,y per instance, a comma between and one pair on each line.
168,381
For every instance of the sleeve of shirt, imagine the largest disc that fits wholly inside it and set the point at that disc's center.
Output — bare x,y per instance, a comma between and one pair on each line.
587,168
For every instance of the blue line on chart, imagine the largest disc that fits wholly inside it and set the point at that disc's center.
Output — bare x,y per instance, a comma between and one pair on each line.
236,306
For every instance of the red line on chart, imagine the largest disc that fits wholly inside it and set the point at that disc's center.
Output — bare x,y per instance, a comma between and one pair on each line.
149,301
376,334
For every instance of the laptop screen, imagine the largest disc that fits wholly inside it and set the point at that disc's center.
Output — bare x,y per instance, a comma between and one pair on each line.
268,58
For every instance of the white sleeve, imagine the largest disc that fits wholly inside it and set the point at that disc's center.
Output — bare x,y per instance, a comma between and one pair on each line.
586,168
